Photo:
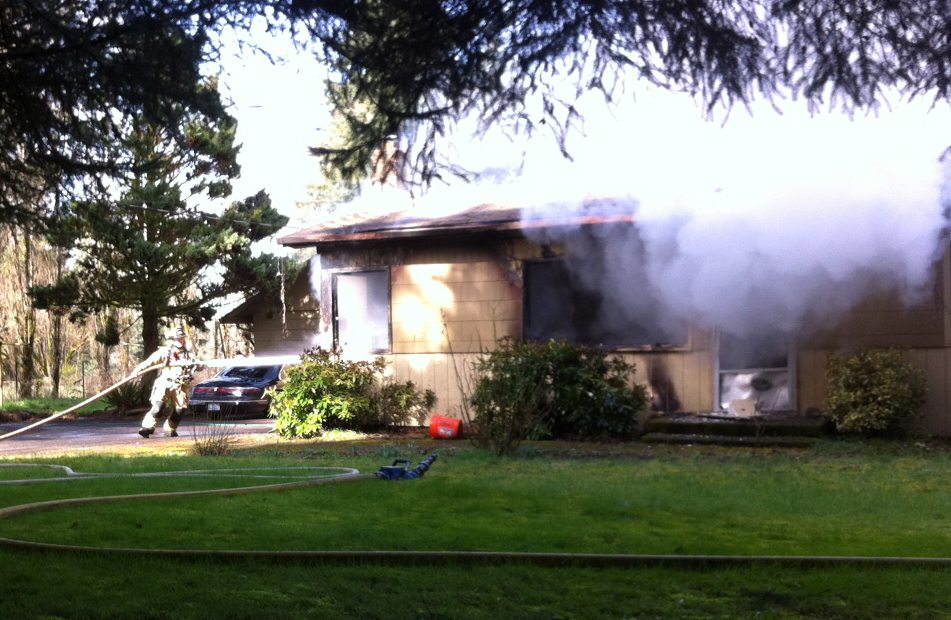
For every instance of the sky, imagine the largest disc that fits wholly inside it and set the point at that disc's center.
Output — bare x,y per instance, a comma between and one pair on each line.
280,110
656,146
756,216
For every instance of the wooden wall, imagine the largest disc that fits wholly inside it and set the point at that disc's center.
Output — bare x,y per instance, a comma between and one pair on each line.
465,307
449,376
687,374
457,307
934,419
886,320
291,329
683,378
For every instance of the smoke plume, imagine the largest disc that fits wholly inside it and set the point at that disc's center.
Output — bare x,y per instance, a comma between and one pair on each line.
766,223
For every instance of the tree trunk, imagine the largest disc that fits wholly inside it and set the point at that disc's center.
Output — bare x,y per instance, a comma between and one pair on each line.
57,320
27,325
151,338
57,342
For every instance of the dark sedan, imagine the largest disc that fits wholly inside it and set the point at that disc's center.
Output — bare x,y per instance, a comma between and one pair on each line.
237,391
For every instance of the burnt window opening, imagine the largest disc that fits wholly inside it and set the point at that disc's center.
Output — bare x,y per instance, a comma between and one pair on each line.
763,351
558,306
756,367
361,311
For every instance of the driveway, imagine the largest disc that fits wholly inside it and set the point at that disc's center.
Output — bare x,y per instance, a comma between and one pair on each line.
92,435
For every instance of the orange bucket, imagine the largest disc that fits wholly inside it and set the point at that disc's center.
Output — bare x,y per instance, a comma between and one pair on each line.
441,427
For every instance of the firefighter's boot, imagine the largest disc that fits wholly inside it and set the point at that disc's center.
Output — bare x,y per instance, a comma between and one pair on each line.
171,423
149,421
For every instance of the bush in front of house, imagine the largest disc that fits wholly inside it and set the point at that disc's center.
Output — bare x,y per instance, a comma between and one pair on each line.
510,396
553,390
873,391
325,392
396,403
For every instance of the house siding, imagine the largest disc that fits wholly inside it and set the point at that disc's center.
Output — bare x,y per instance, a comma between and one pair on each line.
677,380
933,419
290,329
450,304
463,307
449,376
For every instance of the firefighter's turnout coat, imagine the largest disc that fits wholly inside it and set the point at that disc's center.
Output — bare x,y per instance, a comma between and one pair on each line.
171,385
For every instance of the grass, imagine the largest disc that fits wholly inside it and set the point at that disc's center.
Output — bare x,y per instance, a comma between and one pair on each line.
46,406
835,499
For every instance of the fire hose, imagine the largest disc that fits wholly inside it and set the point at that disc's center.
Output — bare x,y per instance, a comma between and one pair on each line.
91,399
398,557
272,360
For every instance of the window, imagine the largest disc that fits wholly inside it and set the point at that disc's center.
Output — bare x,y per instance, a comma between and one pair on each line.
361,306
557,305
756,367
256,373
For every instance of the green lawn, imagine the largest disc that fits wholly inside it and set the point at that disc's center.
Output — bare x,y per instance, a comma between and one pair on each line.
886,499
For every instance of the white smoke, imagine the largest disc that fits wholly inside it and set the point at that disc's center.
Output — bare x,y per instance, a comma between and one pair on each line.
768,221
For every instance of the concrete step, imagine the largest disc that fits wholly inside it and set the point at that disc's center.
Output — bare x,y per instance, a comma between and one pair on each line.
768,441
760,426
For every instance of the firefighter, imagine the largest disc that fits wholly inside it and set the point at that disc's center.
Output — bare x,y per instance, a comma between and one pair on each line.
171,386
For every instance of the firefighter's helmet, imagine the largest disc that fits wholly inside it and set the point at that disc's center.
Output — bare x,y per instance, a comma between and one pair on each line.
177,337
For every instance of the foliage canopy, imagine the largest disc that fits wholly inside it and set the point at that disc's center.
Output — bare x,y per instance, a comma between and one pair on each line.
405,70
74,73
153,250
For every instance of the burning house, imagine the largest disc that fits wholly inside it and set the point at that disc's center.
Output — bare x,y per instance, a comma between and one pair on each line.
429,294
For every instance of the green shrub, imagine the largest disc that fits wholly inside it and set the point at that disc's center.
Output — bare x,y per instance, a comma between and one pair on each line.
324,392
129,396
509,398
553,390
399,403
873,391
592,395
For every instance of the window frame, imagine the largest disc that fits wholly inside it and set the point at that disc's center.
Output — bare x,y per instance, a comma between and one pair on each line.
790,370
335,309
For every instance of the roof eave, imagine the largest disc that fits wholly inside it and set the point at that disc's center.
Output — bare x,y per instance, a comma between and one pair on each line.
518,228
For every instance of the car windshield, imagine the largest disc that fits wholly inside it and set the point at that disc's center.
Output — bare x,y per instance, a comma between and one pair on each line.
248,372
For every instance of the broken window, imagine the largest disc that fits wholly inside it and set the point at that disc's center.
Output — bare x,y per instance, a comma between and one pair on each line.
362,312
755,367
558,305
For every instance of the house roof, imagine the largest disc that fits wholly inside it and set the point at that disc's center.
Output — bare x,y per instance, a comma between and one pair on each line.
244,312
484,218
259,303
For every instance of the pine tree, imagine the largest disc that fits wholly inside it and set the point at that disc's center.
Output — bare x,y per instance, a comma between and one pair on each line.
152,249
